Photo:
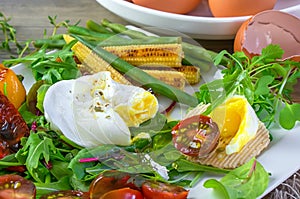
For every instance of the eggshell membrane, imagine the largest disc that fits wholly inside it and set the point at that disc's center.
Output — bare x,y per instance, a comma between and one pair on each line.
233,8
269,27
172,6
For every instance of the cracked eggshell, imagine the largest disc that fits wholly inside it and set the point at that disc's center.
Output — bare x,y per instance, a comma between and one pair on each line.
269,27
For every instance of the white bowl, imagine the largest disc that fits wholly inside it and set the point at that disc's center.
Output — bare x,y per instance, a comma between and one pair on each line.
198,24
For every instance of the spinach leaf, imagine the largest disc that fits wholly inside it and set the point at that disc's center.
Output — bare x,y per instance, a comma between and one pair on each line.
247,181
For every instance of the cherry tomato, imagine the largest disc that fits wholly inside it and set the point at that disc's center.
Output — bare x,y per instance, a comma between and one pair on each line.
66,194
12,127
123,193
20,169
196,136
108,181
154,190
16,187
12,86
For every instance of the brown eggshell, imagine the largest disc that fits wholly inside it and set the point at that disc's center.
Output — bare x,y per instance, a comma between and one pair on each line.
269,27
172,6
234,8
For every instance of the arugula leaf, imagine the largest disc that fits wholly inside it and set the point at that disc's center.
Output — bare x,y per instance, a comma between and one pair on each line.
247,181
31,153
50,66
45,188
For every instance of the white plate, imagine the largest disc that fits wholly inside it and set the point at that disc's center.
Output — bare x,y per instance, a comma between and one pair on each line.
281,159
197,24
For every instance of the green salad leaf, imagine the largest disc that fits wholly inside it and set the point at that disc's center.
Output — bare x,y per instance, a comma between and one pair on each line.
289,115
247,181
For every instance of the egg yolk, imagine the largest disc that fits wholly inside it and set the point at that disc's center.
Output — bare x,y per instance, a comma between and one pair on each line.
228,117
140,108
237,122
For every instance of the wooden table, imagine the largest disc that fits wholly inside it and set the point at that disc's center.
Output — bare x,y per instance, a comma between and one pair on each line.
30,18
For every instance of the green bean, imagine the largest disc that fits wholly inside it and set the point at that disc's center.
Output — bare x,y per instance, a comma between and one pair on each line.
56,36
202,64
51,43
79,30
119,28
141,77
119,41
92,25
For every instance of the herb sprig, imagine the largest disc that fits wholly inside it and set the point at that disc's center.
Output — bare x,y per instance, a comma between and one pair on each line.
265,80
9,34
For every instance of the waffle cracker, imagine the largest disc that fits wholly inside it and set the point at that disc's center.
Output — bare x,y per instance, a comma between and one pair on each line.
218,158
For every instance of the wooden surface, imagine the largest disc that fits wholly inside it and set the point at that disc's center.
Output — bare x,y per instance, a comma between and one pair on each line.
30,18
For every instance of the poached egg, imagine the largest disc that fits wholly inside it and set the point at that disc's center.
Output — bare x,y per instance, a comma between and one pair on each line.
94,109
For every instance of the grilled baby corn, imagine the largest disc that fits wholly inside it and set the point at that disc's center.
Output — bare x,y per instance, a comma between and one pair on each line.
190,74
150,54
171,77
94,63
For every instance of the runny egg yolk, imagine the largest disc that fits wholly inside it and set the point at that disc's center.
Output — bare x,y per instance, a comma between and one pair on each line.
232,121
237,122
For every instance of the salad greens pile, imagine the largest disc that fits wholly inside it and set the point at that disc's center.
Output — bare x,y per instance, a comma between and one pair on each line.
55,163
266,81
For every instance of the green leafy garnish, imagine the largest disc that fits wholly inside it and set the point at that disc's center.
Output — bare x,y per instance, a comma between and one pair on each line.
9,33
265,80
289,115
247,181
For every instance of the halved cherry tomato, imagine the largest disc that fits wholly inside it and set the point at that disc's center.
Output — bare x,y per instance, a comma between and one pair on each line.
123,193
110,180
196,136
16,187
66,194
12,127
154,190
12,86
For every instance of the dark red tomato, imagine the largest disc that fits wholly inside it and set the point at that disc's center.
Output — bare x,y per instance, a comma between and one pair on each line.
19,169
66,194
108,181
12,127
123,193
16,187
196,136
154,190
